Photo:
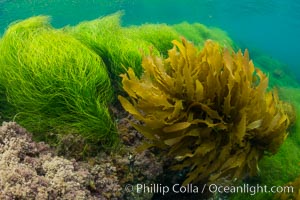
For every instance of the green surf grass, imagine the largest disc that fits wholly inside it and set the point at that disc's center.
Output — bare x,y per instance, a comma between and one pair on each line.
159,35
199,33
106,37
56,83
6,109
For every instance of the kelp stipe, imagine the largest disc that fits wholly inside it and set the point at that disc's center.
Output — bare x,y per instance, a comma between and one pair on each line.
210,110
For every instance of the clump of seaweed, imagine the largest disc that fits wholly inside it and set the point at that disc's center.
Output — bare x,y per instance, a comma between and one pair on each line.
210,110
6,109
106,37
56,83
159,35
199,33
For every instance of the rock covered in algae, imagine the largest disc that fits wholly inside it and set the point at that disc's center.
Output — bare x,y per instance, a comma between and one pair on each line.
30,170
210,110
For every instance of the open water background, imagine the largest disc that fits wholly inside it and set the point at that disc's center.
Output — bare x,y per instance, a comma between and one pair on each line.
272,26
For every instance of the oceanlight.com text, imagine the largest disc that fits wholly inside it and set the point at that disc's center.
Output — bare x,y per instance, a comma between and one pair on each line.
249,189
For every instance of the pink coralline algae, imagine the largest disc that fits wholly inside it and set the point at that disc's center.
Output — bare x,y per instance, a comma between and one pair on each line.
31,170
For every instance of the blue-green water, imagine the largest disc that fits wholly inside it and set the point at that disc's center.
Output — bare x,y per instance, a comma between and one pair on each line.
272,26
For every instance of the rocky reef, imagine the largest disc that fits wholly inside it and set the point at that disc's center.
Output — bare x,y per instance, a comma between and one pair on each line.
32,170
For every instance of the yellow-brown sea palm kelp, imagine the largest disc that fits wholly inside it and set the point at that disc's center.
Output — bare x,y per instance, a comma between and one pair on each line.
292,191
211,110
